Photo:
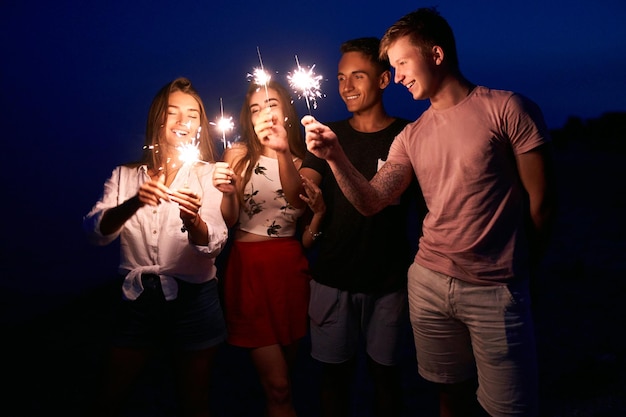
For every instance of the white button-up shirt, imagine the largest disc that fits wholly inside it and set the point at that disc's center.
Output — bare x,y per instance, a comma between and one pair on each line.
151,241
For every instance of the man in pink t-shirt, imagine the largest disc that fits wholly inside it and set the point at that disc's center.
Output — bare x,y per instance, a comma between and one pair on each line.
482,161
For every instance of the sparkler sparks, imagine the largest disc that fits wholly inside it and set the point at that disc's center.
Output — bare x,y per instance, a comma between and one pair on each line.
259,76
189,153
224,124
306,84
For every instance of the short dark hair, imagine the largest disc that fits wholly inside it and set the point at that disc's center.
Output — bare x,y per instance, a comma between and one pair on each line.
368,46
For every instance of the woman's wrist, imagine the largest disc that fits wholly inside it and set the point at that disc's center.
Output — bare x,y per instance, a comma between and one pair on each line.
192,222
314,236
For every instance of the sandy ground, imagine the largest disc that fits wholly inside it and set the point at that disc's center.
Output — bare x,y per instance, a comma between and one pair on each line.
50,363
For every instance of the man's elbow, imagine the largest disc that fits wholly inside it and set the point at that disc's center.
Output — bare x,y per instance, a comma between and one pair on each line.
369,209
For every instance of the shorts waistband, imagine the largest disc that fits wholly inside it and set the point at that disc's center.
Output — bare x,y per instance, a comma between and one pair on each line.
151,281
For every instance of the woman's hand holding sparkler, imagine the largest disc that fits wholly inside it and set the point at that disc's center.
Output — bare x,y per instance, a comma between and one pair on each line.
224,178
271,131
153,191
189,204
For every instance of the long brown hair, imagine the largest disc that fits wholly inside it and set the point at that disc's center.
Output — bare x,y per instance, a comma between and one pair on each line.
157,116
254,149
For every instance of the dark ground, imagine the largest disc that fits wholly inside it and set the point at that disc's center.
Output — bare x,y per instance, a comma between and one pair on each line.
50,363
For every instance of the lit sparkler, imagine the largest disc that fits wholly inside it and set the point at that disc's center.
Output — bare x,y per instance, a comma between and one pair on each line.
224,124
306,83
189,153
259,76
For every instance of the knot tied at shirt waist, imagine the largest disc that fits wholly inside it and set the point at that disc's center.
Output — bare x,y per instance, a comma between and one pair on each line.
133,284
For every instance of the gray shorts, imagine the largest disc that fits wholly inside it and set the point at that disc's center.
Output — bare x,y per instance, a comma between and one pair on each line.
462,329
340,318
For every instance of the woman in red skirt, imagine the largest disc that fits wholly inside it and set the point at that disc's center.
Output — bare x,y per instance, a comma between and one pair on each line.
266,283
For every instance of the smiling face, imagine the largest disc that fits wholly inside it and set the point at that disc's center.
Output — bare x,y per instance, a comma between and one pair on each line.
183,118
260,100
412,69
360,84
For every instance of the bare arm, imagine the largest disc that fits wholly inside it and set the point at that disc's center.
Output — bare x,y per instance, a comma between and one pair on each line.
225,180
273,134
371,197
367,197
290,179
535,170
151,192
230,209
114,218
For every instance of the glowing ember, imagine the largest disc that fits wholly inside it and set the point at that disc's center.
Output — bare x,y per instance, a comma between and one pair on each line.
306,84
260,77
188,153
224,124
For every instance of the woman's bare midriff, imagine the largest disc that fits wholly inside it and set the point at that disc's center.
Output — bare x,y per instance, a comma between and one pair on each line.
243,236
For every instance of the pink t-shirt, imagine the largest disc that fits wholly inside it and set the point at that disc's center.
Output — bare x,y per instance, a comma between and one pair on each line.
464,159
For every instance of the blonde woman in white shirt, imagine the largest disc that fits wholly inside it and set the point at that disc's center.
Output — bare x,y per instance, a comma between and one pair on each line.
167,216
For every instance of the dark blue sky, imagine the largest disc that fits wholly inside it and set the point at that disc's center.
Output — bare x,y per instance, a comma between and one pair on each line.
78,77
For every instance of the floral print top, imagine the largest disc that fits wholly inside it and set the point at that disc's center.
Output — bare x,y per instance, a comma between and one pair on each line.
266,211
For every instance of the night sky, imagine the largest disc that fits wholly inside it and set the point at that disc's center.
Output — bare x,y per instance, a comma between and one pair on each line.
78,78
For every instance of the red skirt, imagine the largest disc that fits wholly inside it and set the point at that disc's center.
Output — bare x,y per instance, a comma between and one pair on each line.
266,293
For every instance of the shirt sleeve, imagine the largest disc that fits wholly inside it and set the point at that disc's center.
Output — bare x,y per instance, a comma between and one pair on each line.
525,124
108,199
313,162
398,151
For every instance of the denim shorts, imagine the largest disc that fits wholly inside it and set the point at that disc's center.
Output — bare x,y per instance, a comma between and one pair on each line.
462,330
192,321
339,319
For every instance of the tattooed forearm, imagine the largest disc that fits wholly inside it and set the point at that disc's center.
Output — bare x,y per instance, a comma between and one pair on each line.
371,197
391,181
357,190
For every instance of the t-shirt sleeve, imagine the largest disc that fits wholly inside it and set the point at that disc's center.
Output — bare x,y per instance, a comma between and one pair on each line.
313,162
525,124
399,151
